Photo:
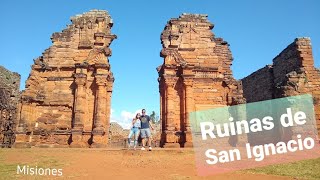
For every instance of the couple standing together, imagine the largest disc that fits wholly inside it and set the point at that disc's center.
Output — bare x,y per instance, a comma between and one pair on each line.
141,125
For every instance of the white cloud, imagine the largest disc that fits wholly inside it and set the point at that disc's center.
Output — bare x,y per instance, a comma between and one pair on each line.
124,125
125,118
112,118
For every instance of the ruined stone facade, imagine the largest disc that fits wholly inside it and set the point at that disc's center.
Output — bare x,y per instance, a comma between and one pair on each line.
68,93
195,75
9,97
292,73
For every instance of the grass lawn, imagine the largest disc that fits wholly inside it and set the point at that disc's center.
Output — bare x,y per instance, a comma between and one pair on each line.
8,170
306,169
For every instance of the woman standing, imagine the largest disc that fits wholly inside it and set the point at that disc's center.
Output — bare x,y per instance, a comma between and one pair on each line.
135,130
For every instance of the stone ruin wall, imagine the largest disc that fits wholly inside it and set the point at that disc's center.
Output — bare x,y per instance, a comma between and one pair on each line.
195,75
261,82
68,93
9,98
67,96
292,73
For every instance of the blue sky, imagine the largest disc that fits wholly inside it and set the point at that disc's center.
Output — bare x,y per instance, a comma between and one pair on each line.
256,30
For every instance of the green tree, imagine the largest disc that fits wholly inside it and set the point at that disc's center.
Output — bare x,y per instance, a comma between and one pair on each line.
154,118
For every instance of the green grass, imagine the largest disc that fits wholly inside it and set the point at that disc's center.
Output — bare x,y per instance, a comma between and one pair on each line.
9,170
306,169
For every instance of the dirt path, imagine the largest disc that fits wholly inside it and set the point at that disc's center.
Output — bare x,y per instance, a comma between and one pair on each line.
118,164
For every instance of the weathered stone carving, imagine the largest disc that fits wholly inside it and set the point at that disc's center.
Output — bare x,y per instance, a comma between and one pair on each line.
68,93
195,75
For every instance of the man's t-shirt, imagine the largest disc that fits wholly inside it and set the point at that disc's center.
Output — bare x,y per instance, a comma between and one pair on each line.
144,121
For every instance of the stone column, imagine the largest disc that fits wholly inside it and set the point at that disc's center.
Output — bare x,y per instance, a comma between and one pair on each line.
163,111
99,135
18,115
22,125
108,105
79,113
170,133
189,107
80,95
22,137
101,101
170,105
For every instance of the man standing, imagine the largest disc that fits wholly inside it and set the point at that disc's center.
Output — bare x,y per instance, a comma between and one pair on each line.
145,129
